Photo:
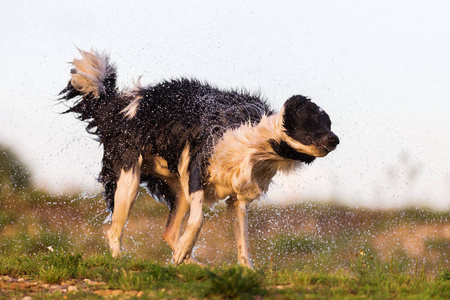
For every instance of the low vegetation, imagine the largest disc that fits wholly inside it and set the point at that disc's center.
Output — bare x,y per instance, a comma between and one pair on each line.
52,275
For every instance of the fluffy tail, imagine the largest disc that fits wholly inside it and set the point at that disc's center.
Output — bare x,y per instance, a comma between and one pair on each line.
93,85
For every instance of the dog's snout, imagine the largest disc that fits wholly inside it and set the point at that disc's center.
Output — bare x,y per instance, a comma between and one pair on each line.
330,141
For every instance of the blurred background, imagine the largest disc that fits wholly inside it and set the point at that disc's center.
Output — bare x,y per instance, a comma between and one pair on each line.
380,69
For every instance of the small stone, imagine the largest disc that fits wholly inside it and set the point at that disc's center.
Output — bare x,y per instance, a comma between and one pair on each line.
35,288
108,293
55,287
72,288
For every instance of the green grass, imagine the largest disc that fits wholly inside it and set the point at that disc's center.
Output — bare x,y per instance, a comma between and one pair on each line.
368,278
340,253
235,282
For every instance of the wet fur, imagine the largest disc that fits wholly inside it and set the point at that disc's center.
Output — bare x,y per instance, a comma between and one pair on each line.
190,143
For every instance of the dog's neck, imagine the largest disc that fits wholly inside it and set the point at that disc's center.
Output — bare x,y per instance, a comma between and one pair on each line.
245,156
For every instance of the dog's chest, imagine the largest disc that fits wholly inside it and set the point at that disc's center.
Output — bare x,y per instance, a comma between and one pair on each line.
239,178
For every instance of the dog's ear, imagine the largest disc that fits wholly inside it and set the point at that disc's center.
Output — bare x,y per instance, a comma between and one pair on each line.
294,111
295,102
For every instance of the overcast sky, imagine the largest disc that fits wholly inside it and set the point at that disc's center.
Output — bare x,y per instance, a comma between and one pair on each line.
381,69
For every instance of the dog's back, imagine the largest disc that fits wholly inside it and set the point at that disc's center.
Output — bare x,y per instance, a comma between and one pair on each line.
171,114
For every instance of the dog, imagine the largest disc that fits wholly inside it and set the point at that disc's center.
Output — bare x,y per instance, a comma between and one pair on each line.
189,143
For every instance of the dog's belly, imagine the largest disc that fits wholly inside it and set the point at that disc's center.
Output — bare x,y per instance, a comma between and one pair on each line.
157,166
220,191
214,190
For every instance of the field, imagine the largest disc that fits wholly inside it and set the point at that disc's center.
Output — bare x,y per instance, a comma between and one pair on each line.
53,246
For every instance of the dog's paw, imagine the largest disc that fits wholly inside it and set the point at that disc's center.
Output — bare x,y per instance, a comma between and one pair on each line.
179,255
116,249
183,250
114,245
115,254
247,263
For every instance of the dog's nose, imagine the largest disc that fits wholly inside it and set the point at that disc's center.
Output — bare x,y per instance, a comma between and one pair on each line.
330,140
333,139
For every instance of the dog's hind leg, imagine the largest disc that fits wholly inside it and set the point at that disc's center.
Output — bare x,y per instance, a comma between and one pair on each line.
238,214
126,192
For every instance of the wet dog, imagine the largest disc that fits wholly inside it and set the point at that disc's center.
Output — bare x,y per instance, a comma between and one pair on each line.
190,143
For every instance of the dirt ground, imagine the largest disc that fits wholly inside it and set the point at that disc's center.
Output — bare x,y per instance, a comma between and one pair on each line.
19,288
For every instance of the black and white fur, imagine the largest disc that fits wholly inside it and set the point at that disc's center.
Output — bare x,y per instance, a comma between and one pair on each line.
190,143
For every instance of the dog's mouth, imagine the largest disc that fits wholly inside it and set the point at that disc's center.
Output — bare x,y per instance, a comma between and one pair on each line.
324,149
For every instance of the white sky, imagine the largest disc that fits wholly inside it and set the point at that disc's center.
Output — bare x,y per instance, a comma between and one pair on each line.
381,69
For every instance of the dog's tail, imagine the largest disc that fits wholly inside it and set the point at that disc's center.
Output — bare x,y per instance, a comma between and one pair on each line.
93,85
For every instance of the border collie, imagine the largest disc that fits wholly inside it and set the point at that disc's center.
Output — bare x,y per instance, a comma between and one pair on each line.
190,143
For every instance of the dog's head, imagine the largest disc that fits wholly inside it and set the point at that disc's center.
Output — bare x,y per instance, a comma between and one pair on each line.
308,127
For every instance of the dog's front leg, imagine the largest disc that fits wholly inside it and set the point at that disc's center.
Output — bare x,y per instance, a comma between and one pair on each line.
176,218
237,209
194,224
